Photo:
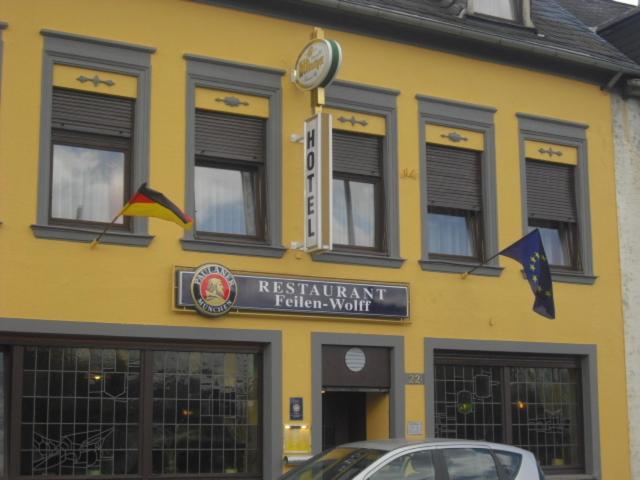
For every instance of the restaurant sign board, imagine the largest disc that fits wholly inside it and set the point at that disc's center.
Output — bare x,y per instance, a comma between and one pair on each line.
306,296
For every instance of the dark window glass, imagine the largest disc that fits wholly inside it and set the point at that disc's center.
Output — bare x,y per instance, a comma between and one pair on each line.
80,411
206,413
470,464
510,463
90,150
454,197
227,199
414,466
544,412
469,402
358,210
229,184
540,405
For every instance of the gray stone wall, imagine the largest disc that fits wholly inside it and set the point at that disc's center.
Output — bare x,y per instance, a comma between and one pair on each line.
626,125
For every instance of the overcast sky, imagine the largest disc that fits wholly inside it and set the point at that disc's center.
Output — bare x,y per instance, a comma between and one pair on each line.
632,2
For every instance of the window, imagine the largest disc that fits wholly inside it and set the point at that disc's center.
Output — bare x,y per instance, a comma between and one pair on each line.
93,138
458,187
413,466
454,193
555,194
358,216
510,463
234,176
84,412
551,203
517,12
365,222
229,175
90,156
532,402
505,9
470,464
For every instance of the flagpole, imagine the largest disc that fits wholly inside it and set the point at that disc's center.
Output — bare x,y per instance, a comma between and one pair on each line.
467,273
96,240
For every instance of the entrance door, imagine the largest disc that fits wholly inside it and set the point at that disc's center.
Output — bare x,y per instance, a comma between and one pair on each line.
355,398
344,418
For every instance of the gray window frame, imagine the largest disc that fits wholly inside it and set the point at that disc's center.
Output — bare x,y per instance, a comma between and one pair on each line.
246,79
107,55
588,355
452,114
561,132
382,102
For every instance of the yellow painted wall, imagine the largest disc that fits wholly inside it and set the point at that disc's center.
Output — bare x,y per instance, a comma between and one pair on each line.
46,279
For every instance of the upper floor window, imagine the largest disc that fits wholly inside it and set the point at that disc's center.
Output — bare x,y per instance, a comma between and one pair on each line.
551,204
454,191
506,9
234,135
556,194
93,138
458,202
517,12
229,175
365,227
358,193
90,156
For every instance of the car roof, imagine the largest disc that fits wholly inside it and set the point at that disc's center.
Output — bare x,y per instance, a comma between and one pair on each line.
399,443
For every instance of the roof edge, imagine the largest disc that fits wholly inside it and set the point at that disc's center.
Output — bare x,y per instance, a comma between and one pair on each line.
620,18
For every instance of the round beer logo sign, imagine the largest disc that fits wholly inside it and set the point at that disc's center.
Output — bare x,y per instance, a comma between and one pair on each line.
318,64
214,290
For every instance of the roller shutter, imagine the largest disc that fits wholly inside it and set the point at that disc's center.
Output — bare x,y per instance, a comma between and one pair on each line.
453,178
551,191
357,154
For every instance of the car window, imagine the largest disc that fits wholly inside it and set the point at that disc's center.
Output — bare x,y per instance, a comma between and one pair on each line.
413,466
335,464
510,462
470,464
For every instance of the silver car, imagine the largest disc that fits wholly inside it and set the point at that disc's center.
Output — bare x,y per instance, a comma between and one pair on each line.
434,459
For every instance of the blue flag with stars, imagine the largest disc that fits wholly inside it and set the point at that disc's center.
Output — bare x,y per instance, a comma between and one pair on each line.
530,253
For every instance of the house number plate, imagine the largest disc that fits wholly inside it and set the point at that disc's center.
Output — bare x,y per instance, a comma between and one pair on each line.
415,378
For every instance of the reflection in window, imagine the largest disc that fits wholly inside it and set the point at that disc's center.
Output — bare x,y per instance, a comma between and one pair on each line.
414,466
206,413
452,232
354,214
495,8
544,406
226,200
558,239
470,464
87,183
80,410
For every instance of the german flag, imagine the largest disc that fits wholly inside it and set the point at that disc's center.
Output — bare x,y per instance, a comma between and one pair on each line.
149,203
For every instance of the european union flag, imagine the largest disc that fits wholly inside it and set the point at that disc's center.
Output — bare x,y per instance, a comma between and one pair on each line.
530,253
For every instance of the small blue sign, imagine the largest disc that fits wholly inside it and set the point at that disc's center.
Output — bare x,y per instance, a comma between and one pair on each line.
295,408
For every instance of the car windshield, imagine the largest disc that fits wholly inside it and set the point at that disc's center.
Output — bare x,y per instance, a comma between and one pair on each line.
336,464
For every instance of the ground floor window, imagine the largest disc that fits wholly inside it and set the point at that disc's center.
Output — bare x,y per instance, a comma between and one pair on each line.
120,410
532,402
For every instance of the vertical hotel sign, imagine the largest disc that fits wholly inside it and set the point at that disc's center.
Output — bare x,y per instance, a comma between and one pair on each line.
317,182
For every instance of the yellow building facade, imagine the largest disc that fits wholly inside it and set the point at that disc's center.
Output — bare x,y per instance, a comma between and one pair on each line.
470,359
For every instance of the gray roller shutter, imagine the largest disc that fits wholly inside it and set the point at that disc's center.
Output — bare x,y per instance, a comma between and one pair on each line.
228,136
357,153
551,193
453,178
92,113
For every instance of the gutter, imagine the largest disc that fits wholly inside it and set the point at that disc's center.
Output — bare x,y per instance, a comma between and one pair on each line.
435,25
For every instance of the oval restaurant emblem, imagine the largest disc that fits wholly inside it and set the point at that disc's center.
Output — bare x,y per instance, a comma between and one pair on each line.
317,64
214,290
